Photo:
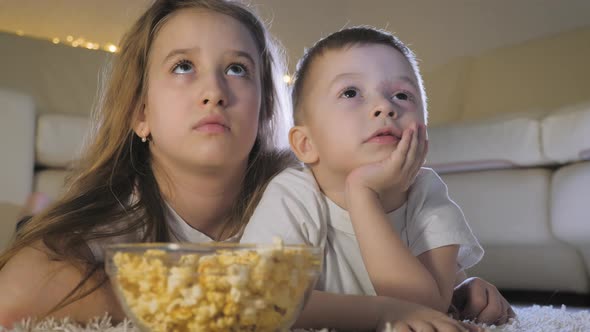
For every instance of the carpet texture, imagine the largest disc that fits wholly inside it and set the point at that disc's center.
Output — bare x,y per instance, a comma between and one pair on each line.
530,319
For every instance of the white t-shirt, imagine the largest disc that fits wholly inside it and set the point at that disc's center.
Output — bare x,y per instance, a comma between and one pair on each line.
294,208
180,231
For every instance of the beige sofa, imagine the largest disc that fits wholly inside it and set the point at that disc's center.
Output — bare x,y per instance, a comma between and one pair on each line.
521,180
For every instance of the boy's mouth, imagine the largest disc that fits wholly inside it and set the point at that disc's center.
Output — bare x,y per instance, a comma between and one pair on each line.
384,136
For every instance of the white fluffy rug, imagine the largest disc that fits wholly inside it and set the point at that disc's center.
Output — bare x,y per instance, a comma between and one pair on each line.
530,319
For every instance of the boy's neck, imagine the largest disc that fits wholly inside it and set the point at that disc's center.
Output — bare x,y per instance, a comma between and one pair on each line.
333,185
202,198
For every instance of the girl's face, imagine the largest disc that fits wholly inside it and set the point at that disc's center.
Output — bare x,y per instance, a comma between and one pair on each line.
203,93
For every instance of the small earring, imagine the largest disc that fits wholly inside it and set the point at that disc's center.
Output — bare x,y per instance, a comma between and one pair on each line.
144,139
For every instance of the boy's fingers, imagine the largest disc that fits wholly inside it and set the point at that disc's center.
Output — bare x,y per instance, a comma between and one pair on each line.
471,327
411,154
400,154
401,327
418,159
423,143
511,313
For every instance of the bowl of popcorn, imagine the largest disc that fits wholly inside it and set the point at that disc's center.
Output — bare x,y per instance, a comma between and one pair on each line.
212,287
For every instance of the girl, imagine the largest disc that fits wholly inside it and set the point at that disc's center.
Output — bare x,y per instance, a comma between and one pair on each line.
185,140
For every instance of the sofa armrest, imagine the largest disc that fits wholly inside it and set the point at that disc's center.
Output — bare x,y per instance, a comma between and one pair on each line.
17,146
8,214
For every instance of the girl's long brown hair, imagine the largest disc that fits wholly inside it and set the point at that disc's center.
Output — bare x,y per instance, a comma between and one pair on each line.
116,163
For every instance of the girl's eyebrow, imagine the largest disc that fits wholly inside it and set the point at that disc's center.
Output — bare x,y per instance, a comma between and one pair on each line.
243,54
185,51
181,51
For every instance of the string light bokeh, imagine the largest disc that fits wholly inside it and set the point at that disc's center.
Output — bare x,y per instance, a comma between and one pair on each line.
81,42
72,41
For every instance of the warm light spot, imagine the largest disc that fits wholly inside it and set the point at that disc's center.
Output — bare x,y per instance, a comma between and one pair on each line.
77,42
287,79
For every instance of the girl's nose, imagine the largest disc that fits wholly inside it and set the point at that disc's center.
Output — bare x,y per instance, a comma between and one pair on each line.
214,93
214,100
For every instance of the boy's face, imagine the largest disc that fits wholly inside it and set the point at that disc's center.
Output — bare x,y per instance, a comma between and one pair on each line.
358,100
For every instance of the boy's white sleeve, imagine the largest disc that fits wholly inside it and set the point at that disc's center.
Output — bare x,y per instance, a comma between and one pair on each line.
293,208
434,221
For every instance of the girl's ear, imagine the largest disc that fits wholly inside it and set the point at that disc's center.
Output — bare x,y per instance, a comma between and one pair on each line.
302,145
141,126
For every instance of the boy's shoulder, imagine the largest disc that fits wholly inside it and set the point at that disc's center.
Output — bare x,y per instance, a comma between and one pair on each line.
427,180
295,179
426,175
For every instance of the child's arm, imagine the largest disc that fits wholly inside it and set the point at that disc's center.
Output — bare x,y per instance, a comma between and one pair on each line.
393,269
360,312
26,293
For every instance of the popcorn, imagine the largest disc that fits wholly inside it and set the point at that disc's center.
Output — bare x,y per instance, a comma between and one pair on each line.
229,290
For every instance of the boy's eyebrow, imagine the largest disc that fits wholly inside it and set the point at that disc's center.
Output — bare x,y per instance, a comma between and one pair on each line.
403,78
182,51
410,81
342,75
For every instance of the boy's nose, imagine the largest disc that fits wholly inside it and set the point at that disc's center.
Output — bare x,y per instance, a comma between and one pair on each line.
218,101
390,114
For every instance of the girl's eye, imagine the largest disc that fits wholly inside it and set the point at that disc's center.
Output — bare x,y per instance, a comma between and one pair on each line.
182,67
349,93
237,69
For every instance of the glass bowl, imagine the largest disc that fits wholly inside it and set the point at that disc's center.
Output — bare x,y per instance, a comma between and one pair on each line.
212,286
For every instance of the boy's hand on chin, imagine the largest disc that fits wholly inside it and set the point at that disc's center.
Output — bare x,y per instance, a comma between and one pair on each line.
398,171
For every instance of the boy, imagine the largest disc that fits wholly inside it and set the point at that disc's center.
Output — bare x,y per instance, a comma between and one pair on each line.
386,224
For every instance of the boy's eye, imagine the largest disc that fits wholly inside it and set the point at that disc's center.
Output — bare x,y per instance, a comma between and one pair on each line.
402,96
182,67
350,93
237,69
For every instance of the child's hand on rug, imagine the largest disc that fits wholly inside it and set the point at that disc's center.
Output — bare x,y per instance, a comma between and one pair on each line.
477,300
415,317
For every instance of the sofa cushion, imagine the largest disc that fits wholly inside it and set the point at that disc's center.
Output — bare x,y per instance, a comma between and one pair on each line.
60,138
51,182
505,142
504,207
570,211
17,139
536,267
508,211
566,133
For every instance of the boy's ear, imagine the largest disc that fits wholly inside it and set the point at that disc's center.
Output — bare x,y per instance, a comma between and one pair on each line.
302,145
140,125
